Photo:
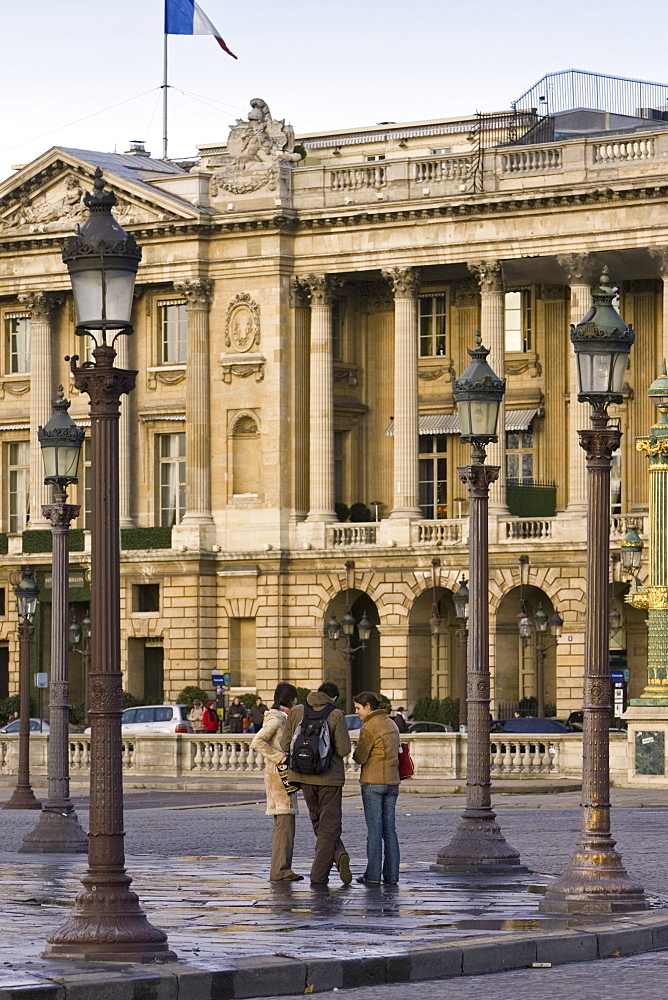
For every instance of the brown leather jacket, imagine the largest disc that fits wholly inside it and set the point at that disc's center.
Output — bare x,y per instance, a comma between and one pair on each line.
378,750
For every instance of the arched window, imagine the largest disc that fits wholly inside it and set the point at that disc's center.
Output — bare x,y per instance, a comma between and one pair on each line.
246,457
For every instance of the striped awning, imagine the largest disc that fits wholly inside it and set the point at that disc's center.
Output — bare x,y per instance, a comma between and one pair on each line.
448,423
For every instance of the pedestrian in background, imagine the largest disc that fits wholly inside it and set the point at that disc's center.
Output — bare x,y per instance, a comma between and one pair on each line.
281,803
210,718
195,716
323,792
377,751
236,714
257,714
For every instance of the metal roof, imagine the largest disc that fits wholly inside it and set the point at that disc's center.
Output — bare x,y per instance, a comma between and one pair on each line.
448,423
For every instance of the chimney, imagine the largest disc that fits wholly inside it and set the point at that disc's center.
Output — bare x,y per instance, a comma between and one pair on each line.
137,148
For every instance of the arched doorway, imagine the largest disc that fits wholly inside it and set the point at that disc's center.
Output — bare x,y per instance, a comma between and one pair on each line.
366,662
432,659
516,660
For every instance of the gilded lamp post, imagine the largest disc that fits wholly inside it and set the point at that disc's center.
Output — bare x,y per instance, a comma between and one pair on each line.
478,845
595,880
654,597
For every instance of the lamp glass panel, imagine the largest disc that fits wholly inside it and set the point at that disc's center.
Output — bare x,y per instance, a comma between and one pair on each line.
120,289
50,460
87,290
595,371
618,371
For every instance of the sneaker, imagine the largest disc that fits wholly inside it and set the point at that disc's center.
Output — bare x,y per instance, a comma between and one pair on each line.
363,880
343,865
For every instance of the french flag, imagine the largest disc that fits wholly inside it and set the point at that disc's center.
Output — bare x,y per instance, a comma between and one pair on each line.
185,17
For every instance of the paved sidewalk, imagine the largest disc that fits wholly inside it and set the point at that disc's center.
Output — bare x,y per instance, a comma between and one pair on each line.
236,936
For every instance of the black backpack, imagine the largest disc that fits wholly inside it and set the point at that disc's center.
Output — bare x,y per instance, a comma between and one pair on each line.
311,746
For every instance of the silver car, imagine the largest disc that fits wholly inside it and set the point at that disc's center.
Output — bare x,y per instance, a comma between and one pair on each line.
147,719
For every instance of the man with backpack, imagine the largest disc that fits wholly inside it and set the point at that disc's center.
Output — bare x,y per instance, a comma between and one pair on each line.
316,740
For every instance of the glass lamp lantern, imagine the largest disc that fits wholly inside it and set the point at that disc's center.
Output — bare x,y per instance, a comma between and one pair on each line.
602,342
60,440
461,600
364,628
525,627
333,629
347,623
75,632
26,592
102,260
540,620
556,625
478,393
631,550
86,626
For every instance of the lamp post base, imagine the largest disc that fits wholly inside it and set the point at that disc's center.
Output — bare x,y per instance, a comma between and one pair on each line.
478,846
23,797
57,832
594,882
108,925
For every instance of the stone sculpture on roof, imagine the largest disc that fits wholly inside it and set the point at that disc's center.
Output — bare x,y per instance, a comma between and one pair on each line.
256,149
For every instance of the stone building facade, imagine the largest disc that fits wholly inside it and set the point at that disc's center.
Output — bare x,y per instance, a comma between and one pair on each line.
298,323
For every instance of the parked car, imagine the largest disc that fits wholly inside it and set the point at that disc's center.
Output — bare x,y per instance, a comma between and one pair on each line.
429,727
534,725
14,726
147,719
353,722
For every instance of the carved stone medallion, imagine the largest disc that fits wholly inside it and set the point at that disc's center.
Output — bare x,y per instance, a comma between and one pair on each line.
242,323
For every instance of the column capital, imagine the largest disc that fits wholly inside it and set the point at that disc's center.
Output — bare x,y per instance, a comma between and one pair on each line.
320,288
576,266
41,305
488,274
478,478
299,293
660,257
198,294
404,281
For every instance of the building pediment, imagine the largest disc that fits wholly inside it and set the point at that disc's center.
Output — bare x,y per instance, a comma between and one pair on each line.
46,196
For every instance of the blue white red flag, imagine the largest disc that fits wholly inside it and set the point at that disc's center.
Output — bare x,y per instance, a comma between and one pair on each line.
185,17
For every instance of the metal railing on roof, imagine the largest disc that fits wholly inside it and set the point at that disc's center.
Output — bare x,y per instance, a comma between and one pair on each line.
576,88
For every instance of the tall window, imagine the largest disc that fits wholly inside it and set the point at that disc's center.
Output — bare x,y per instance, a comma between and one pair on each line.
172,450
19,485
86,484
433,476
173,333
246,458
338,312
432,326
518,320
339,465
519,458
18,332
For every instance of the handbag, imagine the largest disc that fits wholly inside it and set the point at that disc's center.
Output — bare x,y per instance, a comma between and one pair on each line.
406,765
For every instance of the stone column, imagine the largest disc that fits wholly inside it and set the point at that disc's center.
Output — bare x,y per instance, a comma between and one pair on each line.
405,282
321,440
42,307
492,327
124,444
576,267
197,521
660,255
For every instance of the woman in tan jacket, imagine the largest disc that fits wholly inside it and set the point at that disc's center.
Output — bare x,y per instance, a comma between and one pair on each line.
281,805
378,752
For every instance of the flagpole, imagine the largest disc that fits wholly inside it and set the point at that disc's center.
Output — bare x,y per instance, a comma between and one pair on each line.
165,87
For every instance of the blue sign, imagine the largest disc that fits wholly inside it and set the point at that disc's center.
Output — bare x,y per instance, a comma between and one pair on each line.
218,680
617,676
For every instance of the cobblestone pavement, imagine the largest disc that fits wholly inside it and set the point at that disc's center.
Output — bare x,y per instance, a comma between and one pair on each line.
645,976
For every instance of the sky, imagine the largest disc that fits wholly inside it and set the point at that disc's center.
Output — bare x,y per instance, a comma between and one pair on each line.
88,74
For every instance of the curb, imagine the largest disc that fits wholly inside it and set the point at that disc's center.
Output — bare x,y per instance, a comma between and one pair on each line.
277,975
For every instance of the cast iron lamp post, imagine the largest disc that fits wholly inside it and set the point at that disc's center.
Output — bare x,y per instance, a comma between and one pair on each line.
631,553
478,844
80,643
58,830
595,880
461,602
26,592
107,922
540,624
347,627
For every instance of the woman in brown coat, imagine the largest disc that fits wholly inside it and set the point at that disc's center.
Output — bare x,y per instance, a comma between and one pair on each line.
378,752
282,806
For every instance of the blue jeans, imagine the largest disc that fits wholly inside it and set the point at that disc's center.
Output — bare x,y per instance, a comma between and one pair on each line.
379,804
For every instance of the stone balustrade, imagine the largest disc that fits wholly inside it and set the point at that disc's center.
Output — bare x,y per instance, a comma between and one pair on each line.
526,529
435,755
346,535
531,168
445,532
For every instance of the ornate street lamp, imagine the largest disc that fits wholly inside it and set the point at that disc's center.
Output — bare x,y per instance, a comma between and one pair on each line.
26,592
543,628
80,643
347,627
631,552
107,923
58,830
461,602
595,880
478,844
